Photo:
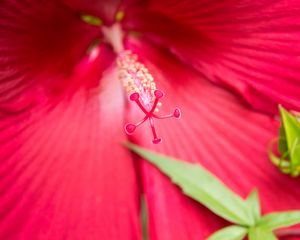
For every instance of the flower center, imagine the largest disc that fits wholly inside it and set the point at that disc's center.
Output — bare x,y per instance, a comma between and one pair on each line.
138,83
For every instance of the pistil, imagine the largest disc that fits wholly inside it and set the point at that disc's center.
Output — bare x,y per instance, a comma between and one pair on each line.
138,83
141,89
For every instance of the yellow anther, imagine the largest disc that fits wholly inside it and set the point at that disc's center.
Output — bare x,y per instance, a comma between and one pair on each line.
136,77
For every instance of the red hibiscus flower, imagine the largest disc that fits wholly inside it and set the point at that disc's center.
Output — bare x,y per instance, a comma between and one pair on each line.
64,172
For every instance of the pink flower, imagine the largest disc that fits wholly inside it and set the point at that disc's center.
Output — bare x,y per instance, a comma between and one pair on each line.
64,173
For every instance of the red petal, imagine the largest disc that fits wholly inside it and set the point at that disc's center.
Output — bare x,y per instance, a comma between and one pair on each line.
105,10
64,173
250,46
102,9
216,130
88,72
40,41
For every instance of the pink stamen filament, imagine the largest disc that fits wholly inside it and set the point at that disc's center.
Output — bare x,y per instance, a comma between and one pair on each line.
130,128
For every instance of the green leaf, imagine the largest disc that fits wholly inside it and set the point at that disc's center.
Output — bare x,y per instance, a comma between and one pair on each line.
289,140
282,146
258,233
229,233
254,205
202,186
92,20
279,219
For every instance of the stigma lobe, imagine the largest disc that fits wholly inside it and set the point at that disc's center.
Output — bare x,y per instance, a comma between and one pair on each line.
141,89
